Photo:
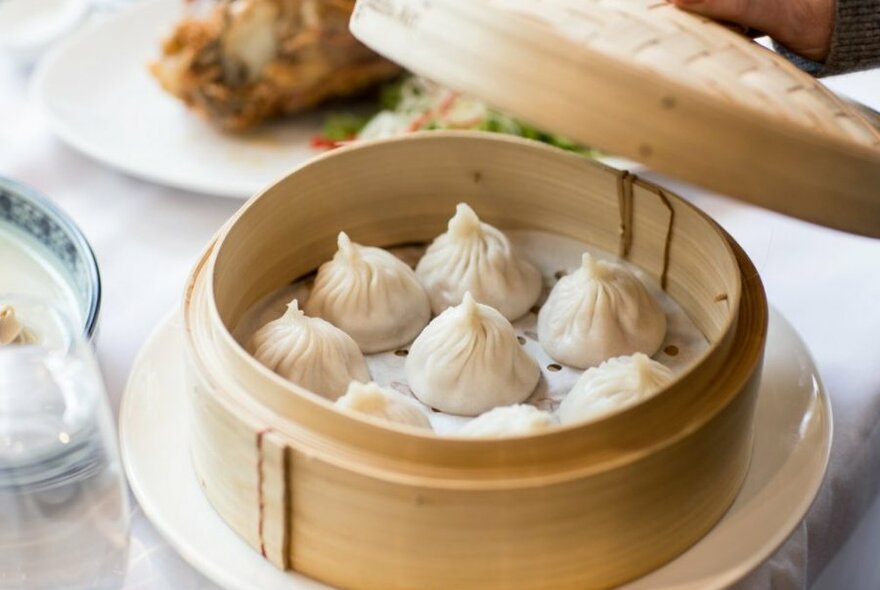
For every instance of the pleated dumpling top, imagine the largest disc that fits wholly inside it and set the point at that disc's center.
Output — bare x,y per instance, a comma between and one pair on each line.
468,361
516,420
310,352
614,385
370,294
475,257
600,311
380,402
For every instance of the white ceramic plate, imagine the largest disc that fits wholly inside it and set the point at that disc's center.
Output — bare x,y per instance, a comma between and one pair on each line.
98,96
792,441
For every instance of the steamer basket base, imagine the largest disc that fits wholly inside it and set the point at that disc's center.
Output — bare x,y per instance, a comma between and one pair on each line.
793,438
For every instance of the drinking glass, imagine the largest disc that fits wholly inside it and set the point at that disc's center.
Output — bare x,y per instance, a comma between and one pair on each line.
63,501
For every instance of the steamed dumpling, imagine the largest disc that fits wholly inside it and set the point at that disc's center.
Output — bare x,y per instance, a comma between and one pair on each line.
612,386
598,312
383,403
474,256
517,420
10,329
467,361
310,352
371,295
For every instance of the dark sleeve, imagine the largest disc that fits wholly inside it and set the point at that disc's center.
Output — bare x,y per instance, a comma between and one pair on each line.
855,42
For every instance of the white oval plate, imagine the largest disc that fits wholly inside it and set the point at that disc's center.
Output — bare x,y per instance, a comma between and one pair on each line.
99,97
792,442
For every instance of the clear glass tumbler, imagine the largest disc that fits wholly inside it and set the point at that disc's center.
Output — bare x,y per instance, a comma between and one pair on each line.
63,500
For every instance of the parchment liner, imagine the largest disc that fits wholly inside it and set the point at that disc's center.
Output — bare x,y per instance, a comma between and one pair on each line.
554,256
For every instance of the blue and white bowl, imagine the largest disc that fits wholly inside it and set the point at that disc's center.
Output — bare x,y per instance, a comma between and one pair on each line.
34,218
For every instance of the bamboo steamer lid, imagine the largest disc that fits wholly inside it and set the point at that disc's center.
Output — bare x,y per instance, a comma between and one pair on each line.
645,80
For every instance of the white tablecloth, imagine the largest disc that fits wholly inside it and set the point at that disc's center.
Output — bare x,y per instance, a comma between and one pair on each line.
825,282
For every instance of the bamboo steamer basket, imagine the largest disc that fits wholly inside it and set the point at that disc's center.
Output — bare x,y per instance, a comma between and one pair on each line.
331,495
365,505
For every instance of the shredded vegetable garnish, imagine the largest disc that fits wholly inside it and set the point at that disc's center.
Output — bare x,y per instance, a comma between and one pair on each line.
415,104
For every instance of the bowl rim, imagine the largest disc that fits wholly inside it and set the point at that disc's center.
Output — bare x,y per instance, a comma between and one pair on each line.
90,322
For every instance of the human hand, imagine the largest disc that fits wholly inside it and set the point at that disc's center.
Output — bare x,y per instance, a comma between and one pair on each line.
802,26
